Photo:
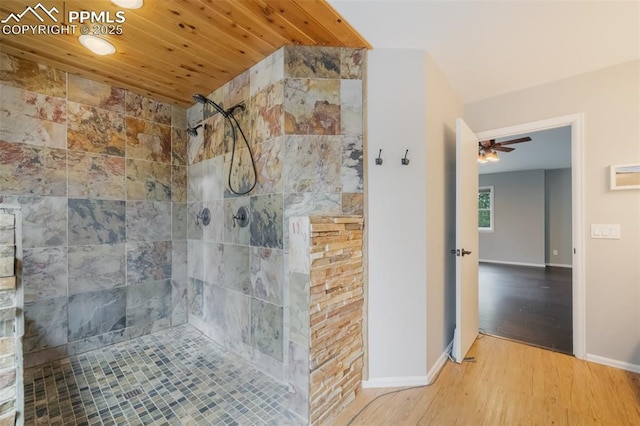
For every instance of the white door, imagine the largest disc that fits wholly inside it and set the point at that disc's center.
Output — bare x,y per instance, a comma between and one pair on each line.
466,250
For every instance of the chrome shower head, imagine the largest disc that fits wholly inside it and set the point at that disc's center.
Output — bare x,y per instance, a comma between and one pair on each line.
193,131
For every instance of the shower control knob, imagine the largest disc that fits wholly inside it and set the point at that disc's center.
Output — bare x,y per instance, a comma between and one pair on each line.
204,217
241,217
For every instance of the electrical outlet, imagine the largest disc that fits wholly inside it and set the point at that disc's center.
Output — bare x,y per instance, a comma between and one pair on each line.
555,252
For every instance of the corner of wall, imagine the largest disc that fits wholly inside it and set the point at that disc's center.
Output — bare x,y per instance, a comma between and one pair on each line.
443,107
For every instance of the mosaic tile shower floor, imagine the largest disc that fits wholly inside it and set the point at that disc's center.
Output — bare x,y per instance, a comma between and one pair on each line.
175,377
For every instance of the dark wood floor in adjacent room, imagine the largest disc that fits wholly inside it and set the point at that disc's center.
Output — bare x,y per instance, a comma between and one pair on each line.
528,304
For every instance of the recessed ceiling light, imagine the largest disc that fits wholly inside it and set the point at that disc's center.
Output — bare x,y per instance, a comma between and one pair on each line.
97,45
128,4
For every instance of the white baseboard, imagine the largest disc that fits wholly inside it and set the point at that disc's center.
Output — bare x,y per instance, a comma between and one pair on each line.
501,262
559,265
408,381
395,382
432,374
635,368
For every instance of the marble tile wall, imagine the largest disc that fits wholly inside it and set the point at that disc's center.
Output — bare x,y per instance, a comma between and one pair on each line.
218,260
101,175
303,119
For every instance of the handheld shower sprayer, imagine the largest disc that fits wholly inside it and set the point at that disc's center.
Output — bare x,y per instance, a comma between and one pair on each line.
201,99
233,122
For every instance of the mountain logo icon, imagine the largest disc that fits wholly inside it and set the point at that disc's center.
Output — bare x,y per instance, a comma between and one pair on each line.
38,11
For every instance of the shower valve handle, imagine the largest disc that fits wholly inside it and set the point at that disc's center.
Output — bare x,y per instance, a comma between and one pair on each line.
241,218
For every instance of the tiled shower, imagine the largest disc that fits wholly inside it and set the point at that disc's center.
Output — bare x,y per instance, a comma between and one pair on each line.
98,171
111,187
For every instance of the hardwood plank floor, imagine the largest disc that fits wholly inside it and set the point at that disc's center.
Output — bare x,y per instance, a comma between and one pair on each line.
509,384
528,304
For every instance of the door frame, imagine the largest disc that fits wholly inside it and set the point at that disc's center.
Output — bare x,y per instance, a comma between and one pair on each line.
576,121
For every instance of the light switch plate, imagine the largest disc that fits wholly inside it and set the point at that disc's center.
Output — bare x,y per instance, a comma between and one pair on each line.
605,231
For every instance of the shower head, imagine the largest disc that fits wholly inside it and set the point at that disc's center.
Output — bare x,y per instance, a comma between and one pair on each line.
193,131
202,99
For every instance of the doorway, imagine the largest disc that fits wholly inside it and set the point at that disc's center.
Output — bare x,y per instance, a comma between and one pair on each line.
524,226
576,253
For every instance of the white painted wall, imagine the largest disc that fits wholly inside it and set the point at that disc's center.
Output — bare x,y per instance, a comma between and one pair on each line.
610,100
558,218
396,109
443,107
411,215
532,217
518,218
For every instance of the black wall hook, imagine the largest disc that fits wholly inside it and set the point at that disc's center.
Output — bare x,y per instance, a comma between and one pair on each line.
379,159
405,160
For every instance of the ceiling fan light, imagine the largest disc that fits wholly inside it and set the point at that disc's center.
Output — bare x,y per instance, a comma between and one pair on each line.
97,45
128,4
482,158
493,156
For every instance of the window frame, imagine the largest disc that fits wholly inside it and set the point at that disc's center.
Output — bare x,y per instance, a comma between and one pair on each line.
491,190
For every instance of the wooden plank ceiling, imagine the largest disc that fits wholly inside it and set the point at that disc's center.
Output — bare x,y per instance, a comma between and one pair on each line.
170,49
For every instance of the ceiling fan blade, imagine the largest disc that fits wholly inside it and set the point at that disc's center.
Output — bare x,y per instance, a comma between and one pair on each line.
519,140
502,148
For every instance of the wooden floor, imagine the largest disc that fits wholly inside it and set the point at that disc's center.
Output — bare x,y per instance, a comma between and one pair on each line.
527,304
509,384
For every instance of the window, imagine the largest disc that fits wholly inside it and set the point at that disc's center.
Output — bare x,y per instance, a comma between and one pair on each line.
485,208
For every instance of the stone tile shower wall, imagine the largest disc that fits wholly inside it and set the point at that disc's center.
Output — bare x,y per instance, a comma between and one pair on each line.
100,174
304,122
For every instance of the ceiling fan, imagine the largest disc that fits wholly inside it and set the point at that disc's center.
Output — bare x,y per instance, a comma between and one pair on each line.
487,150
